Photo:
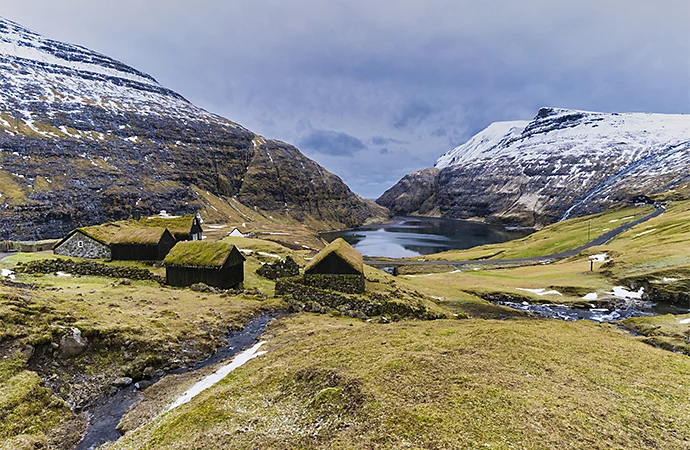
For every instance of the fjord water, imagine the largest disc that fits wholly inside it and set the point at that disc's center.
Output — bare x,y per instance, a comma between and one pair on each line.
415,236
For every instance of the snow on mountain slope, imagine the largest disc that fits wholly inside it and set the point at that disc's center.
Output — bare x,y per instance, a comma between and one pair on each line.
561,163
53,71
85,139
579,133
483,144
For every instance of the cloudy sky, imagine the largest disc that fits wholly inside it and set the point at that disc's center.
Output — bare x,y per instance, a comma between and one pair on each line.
377,89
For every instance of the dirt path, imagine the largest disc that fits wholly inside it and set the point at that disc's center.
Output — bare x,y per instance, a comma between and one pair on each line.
603,239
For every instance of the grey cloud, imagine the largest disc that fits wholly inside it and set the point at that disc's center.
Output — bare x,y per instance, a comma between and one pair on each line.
331,143
380,140
426,73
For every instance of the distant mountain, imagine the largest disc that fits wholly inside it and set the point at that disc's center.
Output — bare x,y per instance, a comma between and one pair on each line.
561,163
85,139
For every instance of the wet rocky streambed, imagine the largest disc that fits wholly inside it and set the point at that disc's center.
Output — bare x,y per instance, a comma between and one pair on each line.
619,310
106,413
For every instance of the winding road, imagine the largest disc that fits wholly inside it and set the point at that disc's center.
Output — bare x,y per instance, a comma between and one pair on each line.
603,239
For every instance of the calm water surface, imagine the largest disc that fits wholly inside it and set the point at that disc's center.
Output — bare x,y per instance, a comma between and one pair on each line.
415,236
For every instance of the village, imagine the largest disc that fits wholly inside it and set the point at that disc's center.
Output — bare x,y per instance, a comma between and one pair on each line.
190,258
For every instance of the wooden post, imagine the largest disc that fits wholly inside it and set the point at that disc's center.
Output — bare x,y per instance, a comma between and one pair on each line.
591,265
589,229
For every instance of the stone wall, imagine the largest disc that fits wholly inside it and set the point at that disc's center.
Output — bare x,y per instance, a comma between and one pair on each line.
301,297
279,269
349,284
89,247
87,268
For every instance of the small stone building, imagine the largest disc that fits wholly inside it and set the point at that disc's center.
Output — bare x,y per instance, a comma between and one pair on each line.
141,244
337,267
87,242
215,263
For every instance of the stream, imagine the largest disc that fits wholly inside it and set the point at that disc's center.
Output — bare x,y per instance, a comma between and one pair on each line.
107,412
598,314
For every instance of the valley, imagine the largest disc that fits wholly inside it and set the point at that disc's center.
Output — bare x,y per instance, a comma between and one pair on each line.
308,392
557,315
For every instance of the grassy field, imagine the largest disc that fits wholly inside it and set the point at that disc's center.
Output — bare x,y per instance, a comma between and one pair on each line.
529,384
651,254
555,238
128,327
497,379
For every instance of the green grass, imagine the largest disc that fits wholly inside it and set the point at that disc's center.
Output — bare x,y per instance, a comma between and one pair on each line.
663,331
339,383
556,238
129,327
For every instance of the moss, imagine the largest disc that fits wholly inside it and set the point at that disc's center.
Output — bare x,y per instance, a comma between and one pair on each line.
180,227
211,254
344,250
138,235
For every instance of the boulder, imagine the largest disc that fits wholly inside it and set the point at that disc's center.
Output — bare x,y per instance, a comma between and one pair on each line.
72,344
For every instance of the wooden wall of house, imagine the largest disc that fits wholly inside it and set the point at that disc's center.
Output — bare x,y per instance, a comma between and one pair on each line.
143,252
225,278
333,265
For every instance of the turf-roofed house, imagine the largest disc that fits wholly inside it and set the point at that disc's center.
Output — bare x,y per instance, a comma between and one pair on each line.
215,263
337,267
126,240
183,228
88,242
136,243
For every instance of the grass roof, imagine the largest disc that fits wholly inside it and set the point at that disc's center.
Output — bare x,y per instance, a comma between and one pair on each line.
178,226
132,234
341,248
209,254
102,233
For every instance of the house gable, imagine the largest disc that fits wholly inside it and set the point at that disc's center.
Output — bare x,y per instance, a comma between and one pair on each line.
80,245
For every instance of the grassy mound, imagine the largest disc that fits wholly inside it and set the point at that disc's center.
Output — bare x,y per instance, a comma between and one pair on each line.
342,383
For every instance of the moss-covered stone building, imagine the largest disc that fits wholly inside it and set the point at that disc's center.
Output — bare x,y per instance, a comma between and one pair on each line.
84,242
215,263
130,237
338,267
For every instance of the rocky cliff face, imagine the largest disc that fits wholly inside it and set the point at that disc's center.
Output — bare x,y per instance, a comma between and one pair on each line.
85,139
560,164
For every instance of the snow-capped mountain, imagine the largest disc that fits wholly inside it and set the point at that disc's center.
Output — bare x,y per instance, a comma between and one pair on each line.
561,163
85,138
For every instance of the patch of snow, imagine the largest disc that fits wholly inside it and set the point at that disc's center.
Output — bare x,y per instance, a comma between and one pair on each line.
539,292
237,362
270,255
7,273
591,296
684,321
215,227
63,274
623,292
670,280
644,232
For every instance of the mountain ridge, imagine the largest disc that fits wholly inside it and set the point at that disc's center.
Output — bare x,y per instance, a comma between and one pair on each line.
562,162
85,139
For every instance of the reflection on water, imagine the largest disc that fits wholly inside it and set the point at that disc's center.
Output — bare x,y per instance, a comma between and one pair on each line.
414,236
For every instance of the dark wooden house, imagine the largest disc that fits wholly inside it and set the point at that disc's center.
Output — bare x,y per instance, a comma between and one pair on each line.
141,244
338,267
185,228
215,263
